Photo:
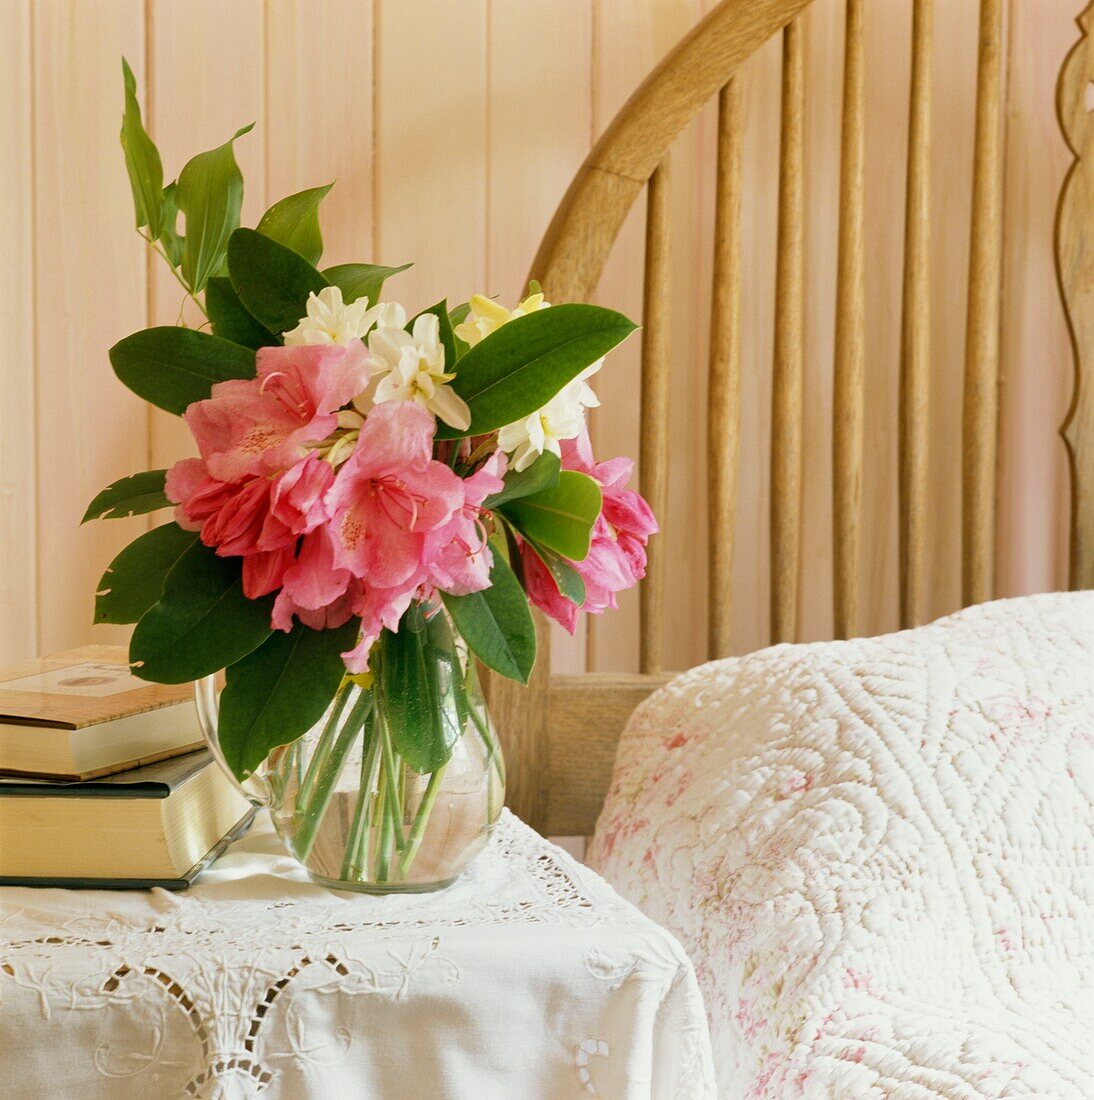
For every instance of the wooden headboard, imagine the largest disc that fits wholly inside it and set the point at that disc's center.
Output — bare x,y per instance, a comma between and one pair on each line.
560,732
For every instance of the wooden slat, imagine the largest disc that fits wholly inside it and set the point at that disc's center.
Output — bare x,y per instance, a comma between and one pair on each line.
653,457
724,403
915,327
18,429
90,290
850,351
786,398
1075,264
981,407
587,714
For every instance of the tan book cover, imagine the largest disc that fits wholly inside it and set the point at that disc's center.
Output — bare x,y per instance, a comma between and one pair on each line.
82,687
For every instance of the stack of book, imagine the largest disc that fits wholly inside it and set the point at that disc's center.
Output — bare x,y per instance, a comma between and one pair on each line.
103,780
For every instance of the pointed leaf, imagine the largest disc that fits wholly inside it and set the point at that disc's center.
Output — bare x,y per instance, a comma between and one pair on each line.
169,233
560,518
279,691
294,222
570,583
230,320
172,367
142,160
519,367
130,496
542,474
202,622
210,195
134,580
271,281
361,280
497,624
418,667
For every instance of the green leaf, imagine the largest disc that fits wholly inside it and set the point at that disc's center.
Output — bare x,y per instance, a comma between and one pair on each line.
169,234
569,581
518,368
447,337
131,496
230,320
497,624
294,222
361,280
142,161
172,367
560,518
133,581
272,281
202,622
210,194
542,474
279,691
458,314
418,668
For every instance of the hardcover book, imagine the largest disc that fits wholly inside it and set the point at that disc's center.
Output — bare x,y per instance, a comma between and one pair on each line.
158,825
83,714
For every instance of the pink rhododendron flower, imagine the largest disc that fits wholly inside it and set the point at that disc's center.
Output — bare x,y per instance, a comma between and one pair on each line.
259,425
389,494
457,552
617,552
315,590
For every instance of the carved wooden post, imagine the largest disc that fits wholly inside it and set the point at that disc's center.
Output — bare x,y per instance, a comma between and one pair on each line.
1075,266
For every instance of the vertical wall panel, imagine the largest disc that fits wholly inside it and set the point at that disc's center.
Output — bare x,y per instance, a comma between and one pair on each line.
319,117
205,82
18,430
431,122
90,291
540,55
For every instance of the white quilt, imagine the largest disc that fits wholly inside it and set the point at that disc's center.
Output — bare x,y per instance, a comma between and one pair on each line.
879,855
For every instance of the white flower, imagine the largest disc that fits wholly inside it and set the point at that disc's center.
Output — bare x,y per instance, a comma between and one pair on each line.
331,321
562,417
414,362
486,316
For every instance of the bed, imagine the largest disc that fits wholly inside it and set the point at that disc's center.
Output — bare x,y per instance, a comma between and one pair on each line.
995,1008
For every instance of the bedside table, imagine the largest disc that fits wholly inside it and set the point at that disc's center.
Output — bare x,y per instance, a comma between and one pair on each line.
529,977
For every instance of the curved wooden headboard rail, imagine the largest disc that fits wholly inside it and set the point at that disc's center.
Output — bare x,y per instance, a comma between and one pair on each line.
560,732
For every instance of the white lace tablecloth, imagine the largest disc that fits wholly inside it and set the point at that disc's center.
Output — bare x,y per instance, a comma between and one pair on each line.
527,978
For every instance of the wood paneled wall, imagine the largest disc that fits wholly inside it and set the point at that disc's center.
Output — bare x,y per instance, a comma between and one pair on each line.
452,129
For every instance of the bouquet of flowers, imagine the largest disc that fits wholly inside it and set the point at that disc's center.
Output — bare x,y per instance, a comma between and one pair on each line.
362,471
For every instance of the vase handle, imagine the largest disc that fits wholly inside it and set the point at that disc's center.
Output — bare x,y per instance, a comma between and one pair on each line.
255,788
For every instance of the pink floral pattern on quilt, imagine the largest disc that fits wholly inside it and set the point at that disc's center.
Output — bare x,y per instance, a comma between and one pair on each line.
879,855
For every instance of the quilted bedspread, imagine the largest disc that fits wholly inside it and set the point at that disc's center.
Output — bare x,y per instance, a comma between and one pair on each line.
878,854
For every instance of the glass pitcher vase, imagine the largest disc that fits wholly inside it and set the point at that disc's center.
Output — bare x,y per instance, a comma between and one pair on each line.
401,782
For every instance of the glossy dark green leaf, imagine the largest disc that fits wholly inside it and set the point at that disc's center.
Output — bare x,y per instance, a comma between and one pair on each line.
294,222
202,622
142,161
172,367
279,691
361,280
272,281
130,496
210,194
230,320
497,624
418,667
169,233
560,518
134,580
569,581
518,368
542,474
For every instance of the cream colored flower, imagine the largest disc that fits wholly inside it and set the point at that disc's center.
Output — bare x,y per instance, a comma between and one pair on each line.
487,316
414,365
562,417
330,321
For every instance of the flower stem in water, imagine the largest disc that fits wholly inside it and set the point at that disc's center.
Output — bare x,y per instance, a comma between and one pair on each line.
421,820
